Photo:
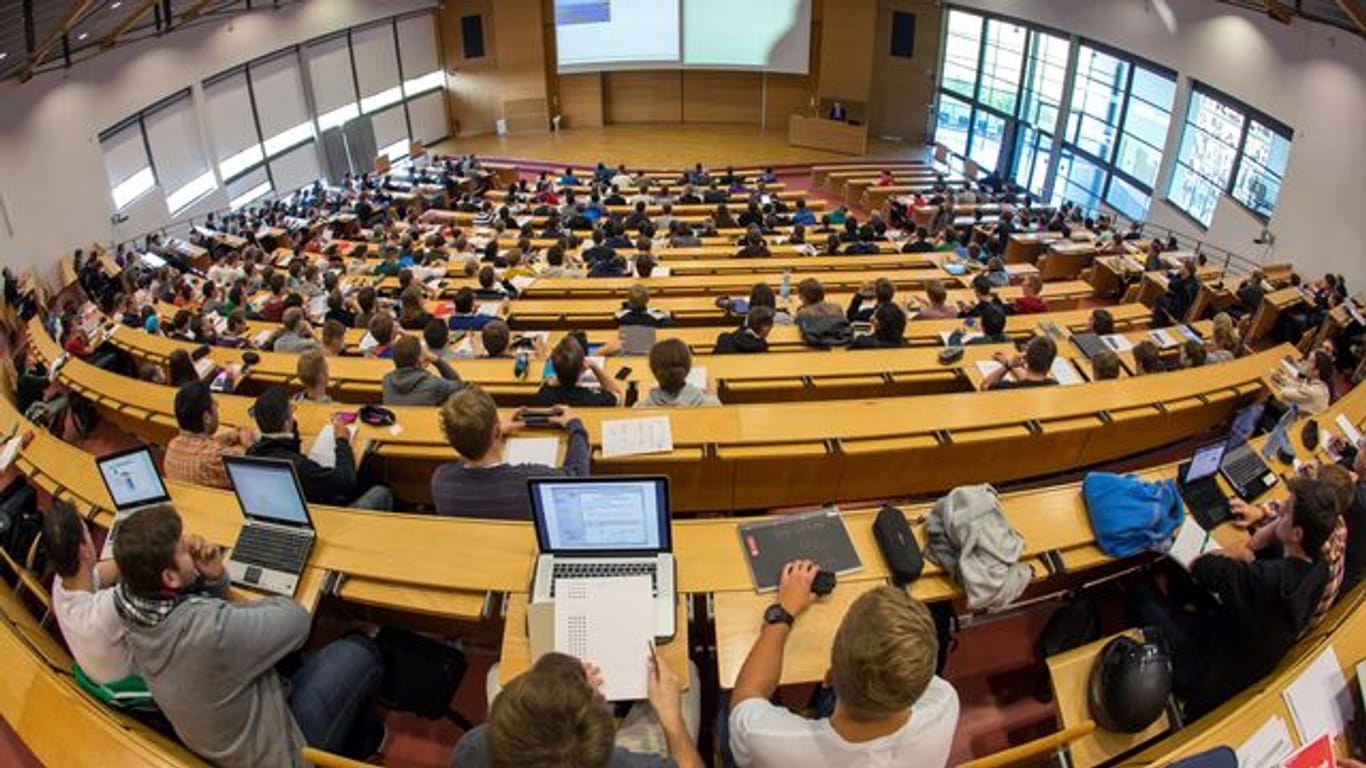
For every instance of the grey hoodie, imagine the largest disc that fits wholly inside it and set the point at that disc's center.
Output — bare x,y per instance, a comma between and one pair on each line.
415,386
687,396
210,666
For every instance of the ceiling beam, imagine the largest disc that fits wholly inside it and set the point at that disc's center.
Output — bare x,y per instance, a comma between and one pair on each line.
128,23
1356,12
73,14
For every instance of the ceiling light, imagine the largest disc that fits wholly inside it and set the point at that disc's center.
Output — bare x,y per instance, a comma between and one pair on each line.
3,55
115,6
82,35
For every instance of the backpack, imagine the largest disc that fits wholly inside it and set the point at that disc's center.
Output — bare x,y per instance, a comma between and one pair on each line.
1129,515
825,332
1073,625
20,520
421,675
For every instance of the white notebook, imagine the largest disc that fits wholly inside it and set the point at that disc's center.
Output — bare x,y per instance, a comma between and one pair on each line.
609,622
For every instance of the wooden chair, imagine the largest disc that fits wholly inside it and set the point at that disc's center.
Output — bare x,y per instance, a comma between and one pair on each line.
1031,751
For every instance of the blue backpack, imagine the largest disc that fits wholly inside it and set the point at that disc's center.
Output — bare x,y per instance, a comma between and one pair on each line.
1129,515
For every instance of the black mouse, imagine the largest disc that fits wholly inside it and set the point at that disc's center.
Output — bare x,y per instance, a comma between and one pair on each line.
823,584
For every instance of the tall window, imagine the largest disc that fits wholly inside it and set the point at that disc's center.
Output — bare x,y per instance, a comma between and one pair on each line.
1266,152
127,164
962,52
1097,102
1044,83
1209,152
977,104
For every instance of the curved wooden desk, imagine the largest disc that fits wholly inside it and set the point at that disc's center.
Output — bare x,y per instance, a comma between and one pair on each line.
748,456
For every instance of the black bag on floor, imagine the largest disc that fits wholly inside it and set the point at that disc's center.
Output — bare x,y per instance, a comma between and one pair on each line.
420,675
20,520
1071,626
945,628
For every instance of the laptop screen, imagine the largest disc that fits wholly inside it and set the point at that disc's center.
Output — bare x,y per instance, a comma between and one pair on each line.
1245,423
132,479
267,490
601,514
1205,462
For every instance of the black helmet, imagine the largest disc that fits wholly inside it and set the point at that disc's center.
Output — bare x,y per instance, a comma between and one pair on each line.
1130,683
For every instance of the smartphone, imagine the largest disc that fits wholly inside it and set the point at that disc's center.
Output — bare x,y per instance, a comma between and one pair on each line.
537,417
624,373
347,417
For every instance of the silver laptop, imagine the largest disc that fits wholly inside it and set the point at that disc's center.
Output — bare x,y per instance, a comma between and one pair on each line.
273,546
133,483
637,339
605,527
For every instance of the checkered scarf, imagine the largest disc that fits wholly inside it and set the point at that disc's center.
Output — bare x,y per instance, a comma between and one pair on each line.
146,612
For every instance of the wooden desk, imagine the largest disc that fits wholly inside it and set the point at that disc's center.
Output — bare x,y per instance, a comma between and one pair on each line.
830,135
819,173
1269,311
1028,246
1070,675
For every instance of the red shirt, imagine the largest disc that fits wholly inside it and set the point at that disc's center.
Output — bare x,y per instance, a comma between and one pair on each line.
1030,305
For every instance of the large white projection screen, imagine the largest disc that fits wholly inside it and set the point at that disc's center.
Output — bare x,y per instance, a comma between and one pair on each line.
763,35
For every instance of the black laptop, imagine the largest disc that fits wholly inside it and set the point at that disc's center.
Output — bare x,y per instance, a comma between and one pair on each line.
1198,481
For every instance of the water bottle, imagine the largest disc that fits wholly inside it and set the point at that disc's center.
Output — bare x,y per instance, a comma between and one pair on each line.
785,289
519,368
632,393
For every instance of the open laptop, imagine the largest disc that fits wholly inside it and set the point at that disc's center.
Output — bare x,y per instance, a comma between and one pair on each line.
604,527
1243,467
277,537
133,483
1198,482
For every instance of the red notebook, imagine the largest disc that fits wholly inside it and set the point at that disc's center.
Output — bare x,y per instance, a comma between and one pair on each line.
1316,754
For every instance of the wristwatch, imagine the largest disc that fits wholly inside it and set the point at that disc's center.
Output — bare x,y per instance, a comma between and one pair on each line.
776,614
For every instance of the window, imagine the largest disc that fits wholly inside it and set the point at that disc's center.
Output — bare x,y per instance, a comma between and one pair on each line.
1208,154
334,83
1097,99
231,120
951,126
278,89
376,66
1031,167
126,164
962,51
1266,152
417,55
1046,69
247,188
1128,199
988,131
183,169
1002,65
1079,180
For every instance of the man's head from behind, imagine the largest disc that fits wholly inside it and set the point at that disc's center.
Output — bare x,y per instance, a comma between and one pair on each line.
1313,511
67,540
567,361
195,410
883,655
151,556
407,352
469,419
551,716
1039,355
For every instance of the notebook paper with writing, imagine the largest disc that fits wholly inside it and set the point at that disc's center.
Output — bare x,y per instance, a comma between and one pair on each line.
610,622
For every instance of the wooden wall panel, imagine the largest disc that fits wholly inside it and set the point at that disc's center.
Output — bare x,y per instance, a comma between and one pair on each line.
904,88
722,97
581,100
846,45
649,96
784,95
511,71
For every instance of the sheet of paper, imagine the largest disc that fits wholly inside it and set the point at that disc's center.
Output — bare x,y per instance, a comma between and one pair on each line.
10,452
203,365
490,308
631,437
324,448
660,271
1118,342
988,367
261,338
367,342
1319,700
609,622
1065,373
543,451
1349,430
522,282
697,377
1268,746
1163,339
1191,542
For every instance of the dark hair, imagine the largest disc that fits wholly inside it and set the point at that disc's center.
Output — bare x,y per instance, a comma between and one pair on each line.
145,547
192,401
1105,365
496,337
1316,510
993,320
759,318
437,334
180,368
63,534
1195,353
891,322
1039,354
761,295
1102,322
1147,358
811,291
670,362
884,289
550,716
407,352
567,360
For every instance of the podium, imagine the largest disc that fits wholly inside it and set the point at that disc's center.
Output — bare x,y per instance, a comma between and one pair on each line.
830,135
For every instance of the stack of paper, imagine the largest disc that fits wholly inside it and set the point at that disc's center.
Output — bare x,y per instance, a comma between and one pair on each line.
631,437
1118,342
609,622
1268,747
1064,372
542,451
1319,699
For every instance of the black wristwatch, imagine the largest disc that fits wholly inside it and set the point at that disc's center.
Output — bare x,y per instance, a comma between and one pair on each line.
776,614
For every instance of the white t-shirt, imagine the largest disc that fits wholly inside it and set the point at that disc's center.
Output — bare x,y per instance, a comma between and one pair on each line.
762,734
93,632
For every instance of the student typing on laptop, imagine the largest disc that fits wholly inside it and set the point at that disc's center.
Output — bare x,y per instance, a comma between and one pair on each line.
210,663
480,484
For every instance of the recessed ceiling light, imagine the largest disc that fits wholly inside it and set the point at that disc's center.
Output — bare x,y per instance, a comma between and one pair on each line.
82,35
3,55
115,6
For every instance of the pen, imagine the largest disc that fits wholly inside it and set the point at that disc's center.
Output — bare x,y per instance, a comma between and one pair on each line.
1204,545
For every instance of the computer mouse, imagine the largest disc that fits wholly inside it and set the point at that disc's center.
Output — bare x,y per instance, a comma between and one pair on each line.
823,584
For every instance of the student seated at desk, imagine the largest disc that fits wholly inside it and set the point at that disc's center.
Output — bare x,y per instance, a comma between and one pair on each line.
1105,365
670,362
436,337
1263,603
1030,370
466,316
636,310
1101,322
311,370
889,707
1191,354
296,334
480,484
1147,359
554,715
983,297
382,330
1182,289
196,454
493,288
211,663
389,267
993,322
889,329
334,338
996,272
814,306
750,338
1031,302
410,384
413,316
938,308
83,600
336,485
1311,390
882,290
803,215
921,243
1224,343
752,245
568,361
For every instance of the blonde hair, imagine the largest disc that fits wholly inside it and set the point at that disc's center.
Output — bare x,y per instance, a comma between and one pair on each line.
884,654
638,297
467,420
1224,335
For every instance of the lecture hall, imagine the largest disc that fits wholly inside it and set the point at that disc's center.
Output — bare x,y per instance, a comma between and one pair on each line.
491,383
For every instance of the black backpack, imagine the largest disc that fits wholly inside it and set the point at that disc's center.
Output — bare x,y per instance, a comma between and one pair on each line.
825,332
421,675
20,520
1073,625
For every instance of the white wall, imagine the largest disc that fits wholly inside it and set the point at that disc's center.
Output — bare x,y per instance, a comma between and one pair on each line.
53,190
1312,77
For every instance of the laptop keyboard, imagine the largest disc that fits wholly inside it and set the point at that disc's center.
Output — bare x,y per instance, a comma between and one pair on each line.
603,570
1245,468
271,549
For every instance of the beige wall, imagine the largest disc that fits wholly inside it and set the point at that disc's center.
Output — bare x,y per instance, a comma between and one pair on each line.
510,80
581,100
650,96
846,58
904,88
722,97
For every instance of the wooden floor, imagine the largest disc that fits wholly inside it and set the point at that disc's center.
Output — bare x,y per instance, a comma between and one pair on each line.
667,146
